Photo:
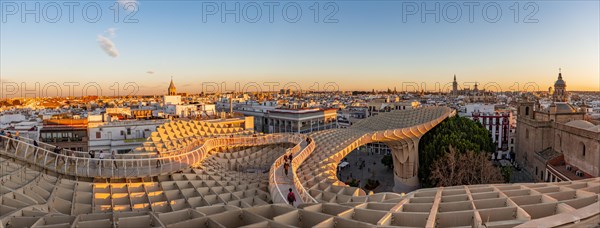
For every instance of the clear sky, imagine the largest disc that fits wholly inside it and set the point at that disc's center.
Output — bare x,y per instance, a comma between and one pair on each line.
372,45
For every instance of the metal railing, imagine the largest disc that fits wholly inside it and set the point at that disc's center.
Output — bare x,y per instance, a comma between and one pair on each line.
276,194
299,154
127,167
85,154
296,162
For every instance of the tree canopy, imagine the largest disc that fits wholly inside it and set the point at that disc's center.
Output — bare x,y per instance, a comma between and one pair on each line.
460,133
468,168
388,161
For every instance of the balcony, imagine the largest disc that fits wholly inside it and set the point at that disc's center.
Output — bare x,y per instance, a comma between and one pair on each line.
127,142
63,139
138,140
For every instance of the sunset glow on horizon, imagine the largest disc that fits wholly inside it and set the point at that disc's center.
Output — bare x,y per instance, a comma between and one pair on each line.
356,45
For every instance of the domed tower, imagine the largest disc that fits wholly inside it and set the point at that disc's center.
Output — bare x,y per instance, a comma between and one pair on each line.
560,89
454,86
172,91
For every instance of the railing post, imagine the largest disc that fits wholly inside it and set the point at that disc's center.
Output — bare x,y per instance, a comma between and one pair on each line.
26,151
162,164
180,162
56,162
66,164
4,141
45,157
187,157
112,170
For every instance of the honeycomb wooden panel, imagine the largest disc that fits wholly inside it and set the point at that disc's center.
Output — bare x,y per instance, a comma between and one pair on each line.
231,187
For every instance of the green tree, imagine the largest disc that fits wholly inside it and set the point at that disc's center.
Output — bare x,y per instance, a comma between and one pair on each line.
506,173
371,184
387,161
353,182
460,133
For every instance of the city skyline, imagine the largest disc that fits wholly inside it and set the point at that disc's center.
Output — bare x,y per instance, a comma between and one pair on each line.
11,90
383,42
351,113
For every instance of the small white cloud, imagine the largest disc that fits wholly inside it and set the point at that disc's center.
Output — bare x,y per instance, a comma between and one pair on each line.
150,72
108,46
111,32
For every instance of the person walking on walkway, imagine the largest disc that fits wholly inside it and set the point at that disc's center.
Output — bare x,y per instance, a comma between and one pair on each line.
92,154
2,138
286,166
101,156
63,152
291,197
11,143
57,150
158,161
35,150
290,157
70,155
114,157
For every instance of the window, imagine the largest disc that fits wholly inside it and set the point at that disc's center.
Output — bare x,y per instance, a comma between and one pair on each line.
582,149
98,135
526,133
526,111
128,131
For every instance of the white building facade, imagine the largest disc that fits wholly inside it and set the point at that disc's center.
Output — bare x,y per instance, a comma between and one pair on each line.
120,136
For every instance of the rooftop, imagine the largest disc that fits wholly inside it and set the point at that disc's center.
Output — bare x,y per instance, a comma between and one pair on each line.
583,124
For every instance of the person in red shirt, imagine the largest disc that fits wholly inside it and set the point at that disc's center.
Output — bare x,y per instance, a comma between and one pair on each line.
291,197
286,166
